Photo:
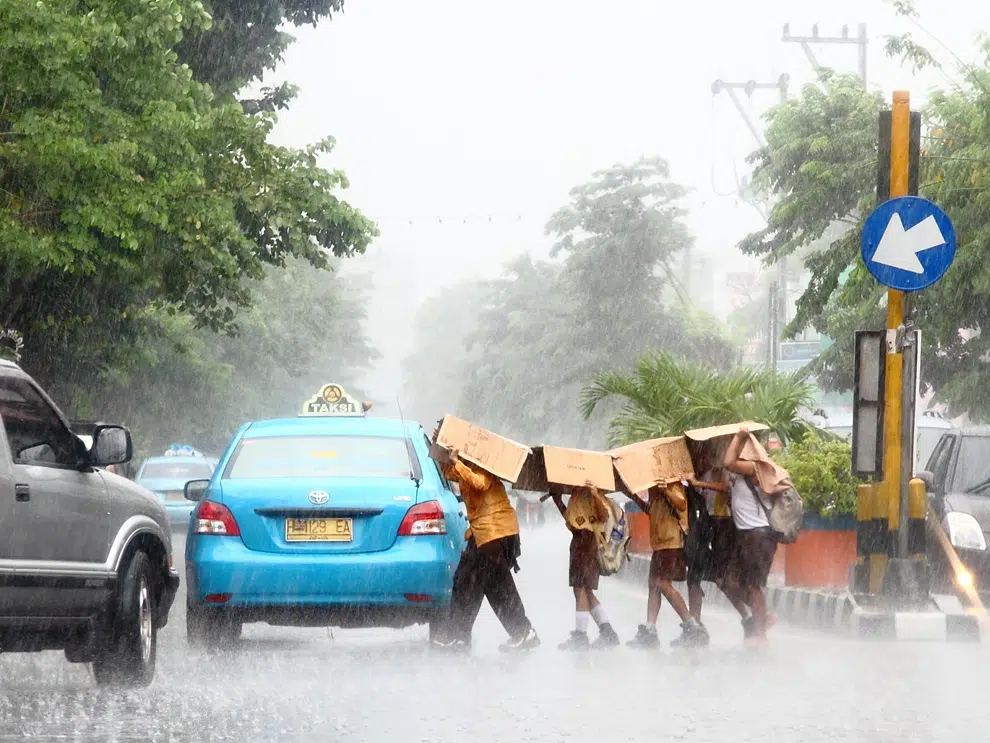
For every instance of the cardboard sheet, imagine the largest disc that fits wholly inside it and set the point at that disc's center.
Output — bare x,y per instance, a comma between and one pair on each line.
708,445
502,457
554,465
654,462
705,434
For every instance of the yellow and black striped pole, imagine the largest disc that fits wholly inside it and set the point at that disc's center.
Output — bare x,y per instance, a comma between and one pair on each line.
886,511
917,511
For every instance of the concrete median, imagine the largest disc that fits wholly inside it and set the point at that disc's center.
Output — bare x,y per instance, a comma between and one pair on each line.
840,612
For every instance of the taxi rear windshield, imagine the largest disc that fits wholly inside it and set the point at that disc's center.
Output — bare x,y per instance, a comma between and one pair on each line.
319,456
177,470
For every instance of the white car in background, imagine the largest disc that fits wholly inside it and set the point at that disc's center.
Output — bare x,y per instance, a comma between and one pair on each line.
929,427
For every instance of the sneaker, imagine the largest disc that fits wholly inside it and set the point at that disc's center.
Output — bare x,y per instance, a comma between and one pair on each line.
646,637
447,643
693,635
577,641
607,638
527,641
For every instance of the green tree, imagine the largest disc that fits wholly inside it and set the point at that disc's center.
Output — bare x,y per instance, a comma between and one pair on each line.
247,39
665,396
304,329
129,190
820,163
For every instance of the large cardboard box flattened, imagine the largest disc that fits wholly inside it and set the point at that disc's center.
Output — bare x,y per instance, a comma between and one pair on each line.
708,445
712,432
502,457
555,465
655,462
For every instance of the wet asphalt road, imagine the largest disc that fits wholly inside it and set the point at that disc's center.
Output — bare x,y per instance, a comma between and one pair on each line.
385,685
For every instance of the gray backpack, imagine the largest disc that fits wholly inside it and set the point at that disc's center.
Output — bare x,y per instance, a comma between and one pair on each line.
786,514
614,539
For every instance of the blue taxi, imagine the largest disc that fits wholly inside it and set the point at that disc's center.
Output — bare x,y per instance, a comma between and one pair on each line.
332,518
166,477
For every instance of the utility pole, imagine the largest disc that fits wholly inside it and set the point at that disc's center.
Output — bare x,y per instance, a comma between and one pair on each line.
778,288
750,87
860,40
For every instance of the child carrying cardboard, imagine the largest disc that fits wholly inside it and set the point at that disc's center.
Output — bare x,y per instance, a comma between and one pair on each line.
668,510
585,515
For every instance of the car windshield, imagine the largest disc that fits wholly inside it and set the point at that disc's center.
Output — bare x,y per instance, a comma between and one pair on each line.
319,456
176,470
973,464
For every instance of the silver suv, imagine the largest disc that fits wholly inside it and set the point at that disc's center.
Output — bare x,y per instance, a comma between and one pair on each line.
85,555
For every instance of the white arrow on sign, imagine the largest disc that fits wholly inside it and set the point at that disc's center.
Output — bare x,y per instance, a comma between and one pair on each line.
899,248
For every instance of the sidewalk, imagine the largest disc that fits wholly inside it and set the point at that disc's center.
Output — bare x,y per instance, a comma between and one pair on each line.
839,612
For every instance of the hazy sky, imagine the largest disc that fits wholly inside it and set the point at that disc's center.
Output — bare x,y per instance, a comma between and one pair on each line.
462,125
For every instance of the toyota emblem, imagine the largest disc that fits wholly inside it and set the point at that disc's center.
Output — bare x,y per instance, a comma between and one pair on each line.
319,497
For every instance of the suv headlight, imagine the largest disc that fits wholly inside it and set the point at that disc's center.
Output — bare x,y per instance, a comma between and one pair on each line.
964,531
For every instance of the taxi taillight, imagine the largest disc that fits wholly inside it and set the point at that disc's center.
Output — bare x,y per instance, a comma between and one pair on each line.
216,519
423,518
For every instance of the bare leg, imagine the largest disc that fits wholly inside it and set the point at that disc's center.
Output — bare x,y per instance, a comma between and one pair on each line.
738,597
759,604
695,598
672,595
581,602
653,604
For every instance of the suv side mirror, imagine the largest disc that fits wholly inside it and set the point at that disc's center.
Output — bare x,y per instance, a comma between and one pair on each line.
111,445
195,490
928,478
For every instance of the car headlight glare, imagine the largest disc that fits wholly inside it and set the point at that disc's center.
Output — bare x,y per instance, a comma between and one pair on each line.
964,531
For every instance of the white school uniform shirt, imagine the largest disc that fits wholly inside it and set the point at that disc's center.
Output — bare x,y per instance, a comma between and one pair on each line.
747,514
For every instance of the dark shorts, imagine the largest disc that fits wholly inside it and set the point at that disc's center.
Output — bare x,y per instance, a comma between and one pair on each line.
583,571
714,568
668,565
752,556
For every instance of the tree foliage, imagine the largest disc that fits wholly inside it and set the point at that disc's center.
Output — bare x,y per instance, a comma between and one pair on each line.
196,386
246,39
137,202
665,396
821,162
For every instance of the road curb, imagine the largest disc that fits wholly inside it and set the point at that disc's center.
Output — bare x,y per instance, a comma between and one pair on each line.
841,613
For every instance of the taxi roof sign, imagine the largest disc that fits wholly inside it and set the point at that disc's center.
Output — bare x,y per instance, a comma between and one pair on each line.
333,401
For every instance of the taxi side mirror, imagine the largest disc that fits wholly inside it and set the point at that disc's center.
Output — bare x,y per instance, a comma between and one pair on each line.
195,490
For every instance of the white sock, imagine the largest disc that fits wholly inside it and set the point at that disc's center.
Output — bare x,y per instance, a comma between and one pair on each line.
599,615
747,612
581,621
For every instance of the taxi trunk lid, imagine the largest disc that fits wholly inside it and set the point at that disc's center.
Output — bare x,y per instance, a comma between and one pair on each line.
343,516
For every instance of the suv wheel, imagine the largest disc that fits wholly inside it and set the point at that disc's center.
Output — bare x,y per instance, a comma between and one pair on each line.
128,656
210,629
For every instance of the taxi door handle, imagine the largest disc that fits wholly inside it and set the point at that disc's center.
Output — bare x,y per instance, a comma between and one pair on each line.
22,493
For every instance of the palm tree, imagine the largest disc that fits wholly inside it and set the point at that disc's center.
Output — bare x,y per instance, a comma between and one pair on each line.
665,397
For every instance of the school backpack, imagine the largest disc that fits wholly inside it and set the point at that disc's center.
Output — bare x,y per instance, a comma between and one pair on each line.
786,514
613,541
701,530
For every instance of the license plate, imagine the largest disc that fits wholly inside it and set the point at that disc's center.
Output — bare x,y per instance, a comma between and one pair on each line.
318,530
175,495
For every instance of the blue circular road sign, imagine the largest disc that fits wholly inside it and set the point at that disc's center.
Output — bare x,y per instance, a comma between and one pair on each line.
908,243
